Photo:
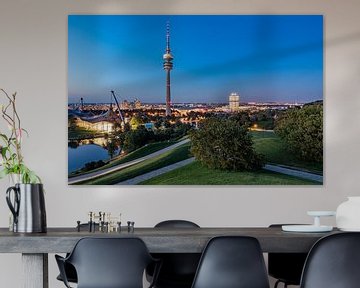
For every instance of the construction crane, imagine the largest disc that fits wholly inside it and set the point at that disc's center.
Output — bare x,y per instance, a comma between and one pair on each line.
117,104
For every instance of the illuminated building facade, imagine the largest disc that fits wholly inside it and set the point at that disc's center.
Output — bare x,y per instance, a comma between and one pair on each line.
234,101
104,122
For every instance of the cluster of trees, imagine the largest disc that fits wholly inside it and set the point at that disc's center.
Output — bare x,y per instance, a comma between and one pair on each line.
93,165
133,139
264,118
302,131
224,144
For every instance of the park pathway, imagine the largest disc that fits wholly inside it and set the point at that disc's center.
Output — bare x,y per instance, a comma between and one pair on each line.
152,174
293,172
95,174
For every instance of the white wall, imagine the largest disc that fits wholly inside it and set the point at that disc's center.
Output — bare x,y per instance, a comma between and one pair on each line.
33,62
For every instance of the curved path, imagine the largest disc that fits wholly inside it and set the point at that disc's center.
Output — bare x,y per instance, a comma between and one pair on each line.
294,172
95,174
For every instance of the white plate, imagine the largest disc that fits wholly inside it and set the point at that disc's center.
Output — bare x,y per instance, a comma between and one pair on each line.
306,228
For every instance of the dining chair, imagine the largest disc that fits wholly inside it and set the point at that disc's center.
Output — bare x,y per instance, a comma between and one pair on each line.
70,271
286,267
333,262
178,269
108,263
232,262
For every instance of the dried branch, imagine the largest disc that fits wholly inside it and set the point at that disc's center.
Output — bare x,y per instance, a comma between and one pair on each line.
12,159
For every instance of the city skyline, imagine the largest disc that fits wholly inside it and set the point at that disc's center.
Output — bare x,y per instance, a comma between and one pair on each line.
265,58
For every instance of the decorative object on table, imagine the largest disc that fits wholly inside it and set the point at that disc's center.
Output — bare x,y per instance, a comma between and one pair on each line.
28,208
316,227
130,225
101,221
27,204
233,103
348,214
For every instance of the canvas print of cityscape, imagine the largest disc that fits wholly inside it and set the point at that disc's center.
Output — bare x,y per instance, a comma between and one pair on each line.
195,100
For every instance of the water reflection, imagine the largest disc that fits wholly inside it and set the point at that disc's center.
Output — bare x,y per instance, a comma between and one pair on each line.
84,151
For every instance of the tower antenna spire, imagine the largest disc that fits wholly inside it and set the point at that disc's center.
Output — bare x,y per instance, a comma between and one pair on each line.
168,37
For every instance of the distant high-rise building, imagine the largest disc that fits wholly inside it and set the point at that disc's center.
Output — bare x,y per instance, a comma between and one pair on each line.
234,101
168,65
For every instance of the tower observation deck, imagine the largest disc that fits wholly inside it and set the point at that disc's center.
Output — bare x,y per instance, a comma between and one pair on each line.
168,66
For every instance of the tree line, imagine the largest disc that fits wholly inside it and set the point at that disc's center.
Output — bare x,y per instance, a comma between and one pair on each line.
225,143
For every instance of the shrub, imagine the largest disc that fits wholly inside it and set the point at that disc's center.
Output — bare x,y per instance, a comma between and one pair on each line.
224,144
302,131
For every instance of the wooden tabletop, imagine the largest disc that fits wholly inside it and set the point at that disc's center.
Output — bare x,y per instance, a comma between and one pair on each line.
158,240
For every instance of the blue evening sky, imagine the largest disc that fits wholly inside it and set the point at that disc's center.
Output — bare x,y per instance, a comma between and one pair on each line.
262,57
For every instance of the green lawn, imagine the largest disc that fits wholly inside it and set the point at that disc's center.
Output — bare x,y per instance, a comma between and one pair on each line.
275,152
141,152
178,154
266,143
196,174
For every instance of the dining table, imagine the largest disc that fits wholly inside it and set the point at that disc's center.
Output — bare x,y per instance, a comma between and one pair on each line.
35,247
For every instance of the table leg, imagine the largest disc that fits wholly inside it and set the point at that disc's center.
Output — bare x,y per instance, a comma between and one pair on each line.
35,270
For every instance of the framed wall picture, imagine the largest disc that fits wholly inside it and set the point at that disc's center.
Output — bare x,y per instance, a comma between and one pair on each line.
195,99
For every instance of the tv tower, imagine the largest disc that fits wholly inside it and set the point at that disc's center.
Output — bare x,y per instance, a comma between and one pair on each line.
168,65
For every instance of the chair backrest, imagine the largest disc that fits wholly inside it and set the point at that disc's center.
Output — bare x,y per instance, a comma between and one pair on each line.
232,262
333,262
110,262
177,268
176,224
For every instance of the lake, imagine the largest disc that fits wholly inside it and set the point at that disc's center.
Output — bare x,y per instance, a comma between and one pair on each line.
85,151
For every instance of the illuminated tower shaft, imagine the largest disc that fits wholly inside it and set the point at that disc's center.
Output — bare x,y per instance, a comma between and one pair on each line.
168,65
